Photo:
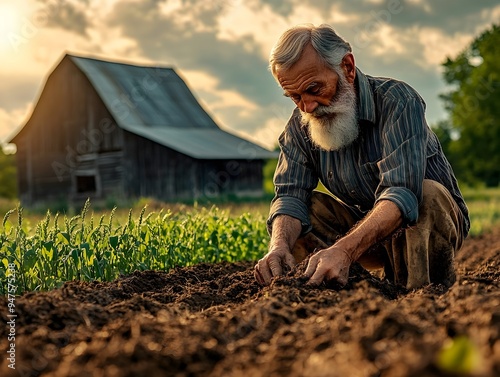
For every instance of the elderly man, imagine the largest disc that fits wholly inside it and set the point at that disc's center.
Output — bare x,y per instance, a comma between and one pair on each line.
396,204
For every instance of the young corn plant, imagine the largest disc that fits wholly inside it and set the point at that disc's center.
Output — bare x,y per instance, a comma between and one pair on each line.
59,249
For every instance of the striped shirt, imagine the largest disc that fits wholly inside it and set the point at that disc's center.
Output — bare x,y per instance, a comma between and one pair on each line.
394,152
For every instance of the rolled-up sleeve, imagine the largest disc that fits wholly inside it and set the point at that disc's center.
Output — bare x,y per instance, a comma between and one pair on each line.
403,162
405,200
294,178
288,205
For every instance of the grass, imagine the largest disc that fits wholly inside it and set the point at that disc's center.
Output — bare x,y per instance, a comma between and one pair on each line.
48,249
484,209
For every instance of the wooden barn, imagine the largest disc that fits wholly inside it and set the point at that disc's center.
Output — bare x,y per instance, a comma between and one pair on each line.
105,129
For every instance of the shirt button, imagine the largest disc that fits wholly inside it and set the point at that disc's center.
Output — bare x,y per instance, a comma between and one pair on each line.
330,175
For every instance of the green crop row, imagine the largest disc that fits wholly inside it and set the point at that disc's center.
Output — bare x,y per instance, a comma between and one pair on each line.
84,248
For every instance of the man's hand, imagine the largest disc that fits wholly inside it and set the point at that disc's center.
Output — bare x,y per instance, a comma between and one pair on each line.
286,230
271,265
330,264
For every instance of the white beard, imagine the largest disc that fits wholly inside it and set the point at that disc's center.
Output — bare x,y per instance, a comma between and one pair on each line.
339,128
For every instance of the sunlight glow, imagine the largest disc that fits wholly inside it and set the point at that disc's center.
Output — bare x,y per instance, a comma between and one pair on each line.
10,25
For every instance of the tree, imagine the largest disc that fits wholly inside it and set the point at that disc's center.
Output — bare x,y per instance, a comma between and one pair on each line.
474,107
8,183
444,131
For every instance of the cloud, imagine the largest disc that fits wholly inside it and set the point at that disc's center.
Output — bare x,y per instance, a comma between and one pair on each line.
262,126
438,45
11,121
69,15
219,99
283,8
17,91
268,134
462,16
192,43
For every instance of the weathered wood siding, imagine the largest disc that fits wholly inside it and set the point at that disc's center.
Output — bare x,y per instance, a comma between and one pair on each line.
230,177
70,133
152,170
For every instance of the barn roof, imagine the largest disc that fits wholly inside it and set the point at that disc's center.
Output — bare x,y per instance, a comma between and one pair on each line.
155,103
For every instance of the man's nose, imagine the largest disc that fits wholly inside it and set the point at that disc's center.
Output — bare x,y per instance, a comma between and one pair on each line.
308,104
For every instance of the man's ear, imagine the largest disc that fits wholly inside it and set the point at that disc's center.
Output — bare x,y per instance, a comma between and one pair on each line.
349,67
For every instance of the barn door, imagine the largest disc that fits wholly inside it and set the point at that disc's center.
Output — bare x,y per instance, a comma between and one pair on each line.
86,182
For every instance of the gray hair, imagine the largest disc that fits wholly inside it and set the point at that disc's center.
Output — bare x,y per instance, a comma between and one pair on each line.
330,47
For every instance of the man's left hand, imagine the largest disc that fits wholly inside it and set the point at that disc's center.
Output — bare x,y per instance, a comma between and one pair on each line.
330,264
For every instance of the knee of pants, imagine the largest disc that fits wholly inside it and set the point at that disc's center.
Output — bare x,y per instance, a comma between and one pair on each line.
439,212
327,211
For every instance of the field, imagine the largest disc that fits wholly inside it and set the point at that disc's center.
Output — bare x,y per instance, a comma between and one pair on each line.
212,319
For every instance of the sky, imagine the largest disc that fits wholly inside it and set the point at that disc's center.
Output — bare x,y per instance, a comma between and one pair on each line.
221,47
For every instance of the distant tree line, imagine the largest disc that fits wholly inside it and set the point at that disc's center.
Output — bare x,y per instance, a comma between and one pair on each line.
8,179
471,135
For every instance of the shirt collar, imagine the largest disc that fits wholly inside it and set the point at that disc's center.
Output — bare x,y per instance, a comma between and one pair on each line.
366,104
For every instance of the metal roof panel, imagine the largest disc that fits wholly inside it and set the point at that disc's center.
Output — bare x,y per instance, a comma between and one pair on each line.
204,143
155,103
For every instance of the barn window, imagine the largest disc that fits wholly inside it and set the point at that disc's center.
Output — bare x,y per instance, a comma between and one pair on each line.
85,184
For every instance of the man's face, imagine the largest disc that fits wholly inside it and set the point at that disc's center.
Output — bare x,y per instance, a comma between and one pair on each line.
309,82
327,100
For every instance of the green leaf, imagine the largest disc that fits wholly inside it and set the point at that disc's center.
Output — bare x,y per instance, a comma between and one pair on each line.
29,259
65,236
459,355
75,256
113,241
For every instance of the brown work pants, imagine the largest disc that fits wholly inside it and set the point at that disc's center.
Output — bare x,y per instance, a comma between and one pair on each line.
413,256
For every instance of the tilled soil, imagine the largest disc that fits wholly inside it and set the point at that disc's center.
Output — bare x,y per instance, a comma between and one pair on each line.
215,320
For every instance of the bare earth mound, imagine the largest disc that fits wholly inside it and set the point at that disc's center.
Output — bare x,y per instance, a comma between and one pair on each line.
215,320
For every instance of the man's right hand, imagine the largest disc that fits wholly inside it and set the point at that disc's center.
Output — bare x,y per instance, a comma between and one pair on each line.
271,265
